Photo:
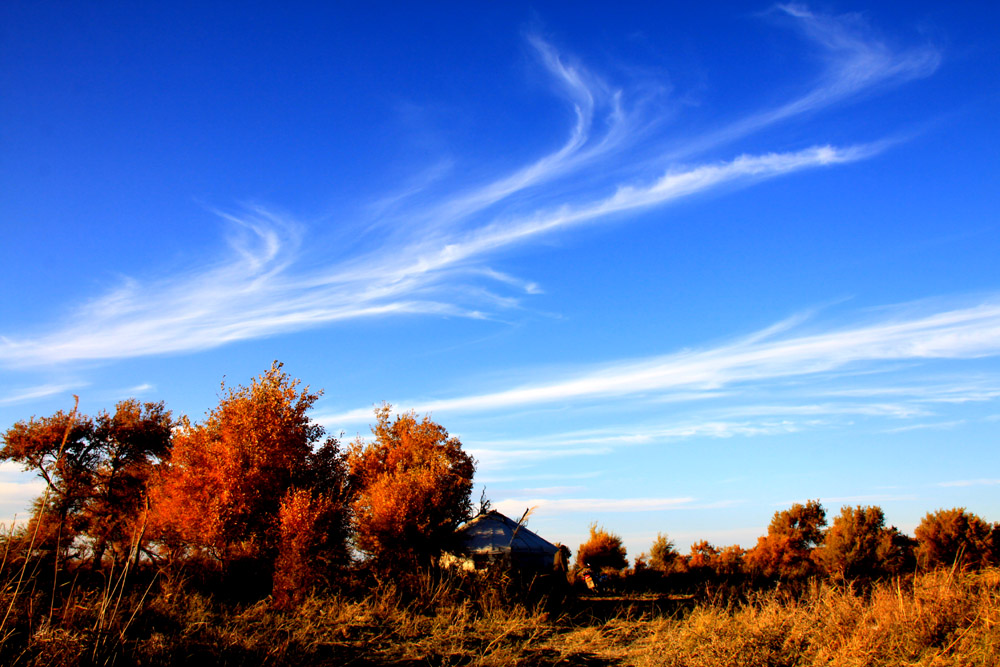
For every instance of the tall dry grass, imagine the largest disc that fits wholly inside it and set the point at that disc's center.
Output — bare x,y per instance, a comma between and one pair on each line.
938,618
138,618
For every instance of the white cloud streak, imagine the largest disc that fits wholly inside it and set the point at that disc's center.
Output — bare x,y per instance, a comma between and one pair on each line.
855,61
501,458
430,265
932,426
37,392
567,505
11,492
961,333
970,482
599,440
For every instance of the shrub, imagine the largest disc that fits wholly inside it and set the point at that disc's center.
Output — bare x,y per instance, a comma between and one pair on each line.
955,536
603,550
411,489
858,544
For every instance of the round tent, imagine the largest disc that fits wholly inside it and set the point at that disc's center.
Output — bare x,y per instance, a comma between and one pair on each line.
492,537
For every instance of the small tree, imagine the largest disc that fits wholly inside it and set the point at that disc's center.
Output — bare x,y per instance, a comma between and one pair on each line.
223,489
858,544
97,481
62,451
412,486
602,550
702,556
791,537
662,554
730,561
131,441
955,537
311,543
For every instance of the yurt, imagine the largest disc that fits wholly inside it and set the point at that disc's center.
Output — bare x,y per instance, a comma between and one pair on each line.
494,538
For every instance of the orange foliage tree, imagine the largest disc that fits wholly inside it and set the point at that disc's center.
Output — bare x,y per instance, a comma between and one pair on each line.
730,561
97,481
67,468
702,556
859,544
222,491
411,486
792,535
955,536
662,554
311,542
602,550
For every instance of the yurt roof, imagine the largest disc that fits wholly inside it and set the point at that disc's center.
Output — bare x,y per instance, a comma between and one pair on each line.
492,532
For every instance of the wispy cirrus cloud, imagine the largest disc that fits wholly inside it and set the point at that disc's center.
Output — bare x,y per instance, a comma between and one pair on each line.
855,61
40,391
774,354
965,390
647,433
928,426
274,280
970,482
565,505
495,458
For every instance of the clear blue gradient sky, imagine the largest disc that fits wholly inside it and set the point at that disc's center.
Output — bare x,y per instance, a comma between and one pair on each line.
662,267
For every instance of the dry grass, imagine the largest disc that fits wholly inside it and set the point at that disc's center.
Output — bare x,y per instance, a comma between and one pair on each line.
935,619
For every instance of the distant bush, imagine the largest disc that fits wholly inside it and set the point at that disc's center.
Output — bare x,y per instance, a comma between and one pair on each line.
859,544
786,550
662,554
602,550
956,537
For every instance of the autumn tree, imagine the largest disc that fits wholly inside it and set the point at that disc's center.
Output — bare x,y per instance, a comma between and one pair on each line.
412,484
131,441
729,561
97,479
662,553
311,542
223,489
791,536
602,550
702,556
859,544
59,449
955,536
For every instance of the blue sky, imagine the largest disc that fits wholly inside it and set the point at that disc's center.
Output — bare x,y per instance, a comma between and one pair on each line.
666,268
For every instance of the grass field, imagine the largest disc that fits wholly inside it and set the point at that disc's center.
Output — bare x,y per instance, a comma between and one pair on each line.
935,618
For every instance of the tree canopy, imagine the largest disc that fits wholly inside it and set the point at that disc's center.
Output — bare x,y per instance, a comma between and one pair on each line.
96,471
602,550
662,553
792,535
956,537
224,487
859,544
411,488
